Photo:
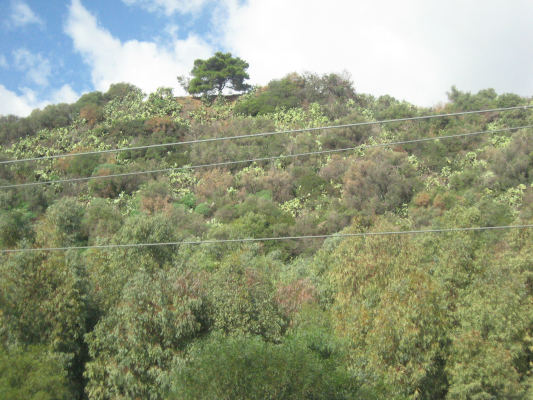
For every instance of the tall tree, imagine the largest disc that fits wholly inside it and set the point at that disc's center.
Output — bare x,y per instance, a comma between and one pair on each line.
134,347
216,73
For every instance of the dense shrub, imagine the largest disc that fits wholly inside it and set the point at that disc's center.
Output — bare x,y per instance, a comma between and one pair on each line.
134,347
248,368
242,301
296,90
381,181
32,374
281,93
111,187
15,225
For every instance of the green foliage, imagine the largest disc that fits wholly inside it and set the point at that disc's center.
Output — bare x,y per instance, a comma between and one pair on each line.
393,312
119,91
128,105
488,356
62,224
466,101
89,99
43,301
214,74
80,166
513,164
242,300
143,229
109,271
134,346
202,209
417,316
330,90
278,94
381,181
101,219
31,374
248,368
14,226
189,200
112,187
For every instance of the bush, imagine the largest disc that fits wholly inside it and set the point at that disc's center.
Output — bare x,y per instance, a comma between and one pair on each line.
14,226
62,225
278,94
242,301
112,187
381,182
202,209
248,368
32,374
92,114
213,183
188,200
134,346
155,197
296,90
79,166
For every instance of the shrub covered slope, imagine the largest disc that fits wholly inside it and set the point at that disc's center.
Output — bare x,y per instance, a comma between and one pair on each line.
428,316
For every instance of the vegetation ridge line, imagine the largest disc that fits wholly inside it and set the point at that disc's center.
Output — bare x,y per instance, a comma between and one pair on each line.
366,123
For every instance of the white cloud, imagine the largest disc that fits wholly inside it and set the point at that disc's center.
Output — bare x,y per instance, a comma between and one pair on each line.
169,7
37,67
414,49
65,94
22,14
147,65
11,103
23,104
3,61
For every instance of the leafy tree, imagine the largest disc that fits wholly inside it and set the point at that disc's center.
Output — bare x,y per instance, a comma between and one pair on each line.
134,347
109,271
31,374
95,98
101,220
381,181
62,224
242,300
490,351
247,368
393,311
281,93
14,226
119,91
216,73
43,302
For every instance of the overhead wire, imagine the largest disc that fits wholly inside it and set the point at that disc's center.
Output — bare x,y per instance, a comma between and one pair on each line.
266,239
259,159
253,135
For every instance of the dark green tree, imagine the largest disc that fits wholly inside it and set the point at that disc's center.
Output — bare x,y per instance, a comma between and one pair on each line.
216,73
249,368
43,303
134,347
31,374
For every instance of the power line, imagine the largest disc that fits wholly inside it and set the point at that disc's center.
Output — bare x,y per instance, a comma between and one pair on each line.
266,239
387,121
270,158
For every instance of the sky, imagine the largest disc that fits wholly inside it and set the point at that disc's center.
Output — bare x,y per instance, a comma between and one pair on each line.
53,51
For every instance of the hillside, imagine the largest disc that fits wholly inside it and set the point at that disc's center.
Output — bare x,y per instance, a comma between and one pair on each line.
402,316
